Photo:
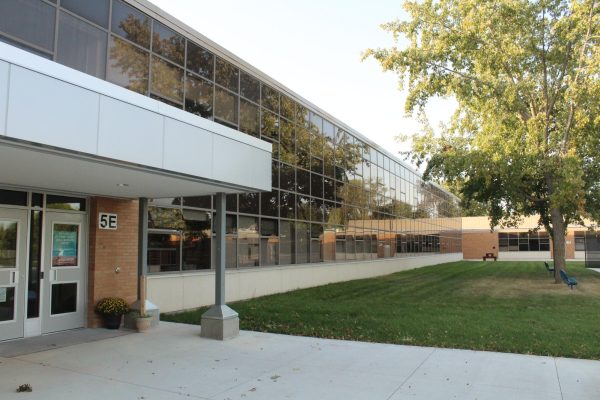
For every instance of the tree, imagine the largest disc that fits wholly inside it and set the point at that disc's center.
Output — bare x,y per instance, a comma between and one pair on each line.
526,76
468,206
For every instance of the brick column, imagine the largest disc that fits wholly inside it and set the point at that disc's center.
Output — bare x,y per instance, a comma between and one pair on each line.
109,249
476,244
570,245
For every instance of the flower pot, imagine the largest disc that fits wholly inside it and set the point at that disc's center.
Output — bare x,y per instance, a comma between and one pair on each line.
112,321
142,324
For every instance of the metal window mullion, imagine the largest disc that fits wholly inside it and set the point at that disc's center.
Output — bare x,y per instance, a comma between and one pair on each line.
237,237
180,251
55,45
214,96
150,54
185,47
108,38
239,102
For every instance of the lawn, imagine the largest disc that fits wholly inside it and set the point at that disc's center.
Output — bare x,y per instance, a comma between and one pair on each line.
498,306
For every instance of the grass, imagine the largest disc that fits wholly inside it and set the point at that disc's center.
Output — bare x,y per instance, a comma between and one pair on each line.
498,306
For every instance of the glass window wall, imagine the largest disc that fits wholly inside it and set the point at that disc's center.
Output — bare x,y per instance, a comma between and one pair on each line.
335,197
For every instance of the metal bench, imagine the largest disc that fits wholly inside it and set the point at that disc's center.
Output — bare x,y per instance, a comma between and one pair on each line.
549,268
568,279
489,255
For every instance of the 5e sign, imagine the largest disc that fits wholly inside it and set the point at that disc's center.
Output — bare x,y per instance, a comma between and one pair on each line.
107,221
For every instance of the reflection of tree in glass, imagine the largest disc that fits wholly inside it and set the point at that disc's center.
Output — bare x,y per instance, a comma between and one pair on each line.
8,243
227,75
367,202
132,63
269,125
167,80
165,218
171,47
199,96
249,118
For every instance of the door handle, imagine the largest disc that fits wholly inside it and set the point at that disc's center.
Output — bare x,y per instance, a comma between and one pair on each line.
14,278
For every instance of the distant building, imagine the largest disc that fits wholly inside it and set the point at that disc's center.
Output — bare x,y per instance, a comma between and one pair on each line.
518,243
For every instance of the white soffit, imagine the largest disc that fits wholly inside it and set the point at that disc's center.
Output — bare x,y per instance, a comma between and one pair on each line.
33,167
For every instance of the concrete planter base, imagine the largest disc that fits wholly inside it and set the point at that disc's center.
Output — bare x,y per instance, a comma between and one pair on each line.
143,324
220,323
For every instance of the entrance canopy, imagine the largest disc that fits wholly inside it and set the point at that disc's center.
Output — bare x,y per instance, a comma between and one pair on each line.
63,130
26,166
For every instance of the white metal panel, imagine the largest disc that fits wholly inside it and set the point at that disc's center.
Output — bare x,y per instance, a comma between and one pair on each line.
4,70
50,111
212,127
262,180
187,149
54,105
130,133
232,163
174,292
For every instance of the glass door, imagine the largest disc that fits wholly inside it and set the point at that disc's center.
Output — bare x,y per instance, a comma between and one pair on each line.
13,251
65,265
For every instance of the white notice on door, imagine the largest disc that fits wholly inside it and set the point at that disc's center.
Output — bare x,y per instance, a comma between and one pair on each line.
2,295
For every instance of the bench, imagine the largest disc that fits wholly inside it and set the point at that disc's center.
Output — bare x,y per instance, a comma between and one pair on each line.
489,255
567,279
549,268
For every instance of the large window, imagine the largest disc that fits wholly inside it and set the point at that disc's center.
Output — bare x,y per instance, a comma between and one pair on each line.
179,239
198,96
130,24
81,45
579,241
31,21
127,66
167,80
95,11
524,241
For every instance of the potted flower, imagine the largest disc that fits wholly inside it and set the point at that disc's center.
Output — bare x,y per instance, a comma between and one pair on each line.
112,310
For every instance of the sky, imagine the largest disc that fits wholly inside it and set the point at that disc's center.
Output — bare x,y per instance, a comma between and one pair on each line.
314,48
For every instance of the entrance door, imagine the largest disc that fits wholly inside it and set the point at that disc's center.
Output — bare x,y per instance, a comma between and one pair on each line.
65,264
13,254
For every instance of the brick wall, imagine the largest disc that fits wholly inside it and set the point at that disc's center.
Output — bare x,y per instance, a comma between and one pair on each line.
109,249
570,245
476,244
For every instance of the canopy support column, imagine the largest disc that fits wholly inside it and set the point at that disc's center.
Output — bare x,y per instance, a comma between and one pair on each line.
220,322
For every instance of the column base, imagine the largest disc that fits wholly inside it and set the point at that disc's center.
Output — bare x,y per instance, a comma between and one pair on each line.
220,323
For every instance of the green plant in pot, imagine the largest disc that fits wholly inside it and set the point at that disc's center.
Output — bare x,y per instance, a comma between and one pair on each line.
112,310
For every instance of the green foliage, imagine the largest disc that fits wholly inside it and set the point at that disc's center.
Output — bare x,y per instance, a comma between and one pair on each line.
500,306
526,76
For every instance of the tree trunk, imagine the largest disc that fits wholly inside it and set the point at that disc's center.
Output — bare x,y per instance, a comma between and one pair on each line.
558,242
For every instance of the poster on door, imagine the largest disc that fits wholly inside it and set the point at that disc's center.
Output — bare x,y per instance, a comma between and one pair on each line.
65,245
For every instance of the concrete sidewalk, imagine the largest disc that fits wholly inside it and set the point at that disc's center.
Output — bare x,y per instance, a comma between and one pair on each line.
173,362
